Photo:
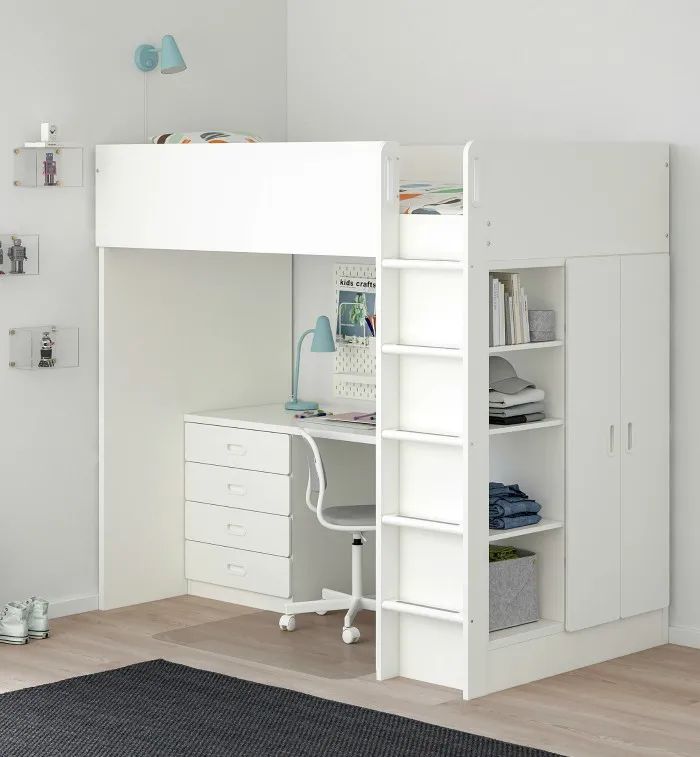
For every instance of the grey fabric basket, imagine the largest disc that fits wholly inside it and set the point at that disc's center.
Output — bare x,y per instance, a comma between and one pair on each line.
541,325
513,591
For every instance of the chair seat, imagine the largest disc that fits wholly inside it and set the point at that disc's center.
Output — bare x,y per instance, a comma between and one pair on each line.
362,517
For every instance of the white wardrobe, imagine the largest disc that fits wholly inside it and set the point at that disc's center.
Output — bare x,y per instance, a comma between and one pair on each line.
617,441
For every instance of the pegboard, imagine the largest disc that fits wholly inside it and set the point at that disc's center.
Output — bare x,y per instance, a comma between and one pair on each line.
355,356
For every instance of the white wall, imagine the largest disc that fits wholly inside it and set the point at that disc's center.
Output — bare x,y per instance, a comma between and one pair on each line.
72,64
563,69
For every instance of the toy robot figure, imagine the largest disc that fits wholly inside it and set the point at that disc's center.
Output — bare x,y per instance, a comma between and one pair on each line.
47,344
49,170
17,254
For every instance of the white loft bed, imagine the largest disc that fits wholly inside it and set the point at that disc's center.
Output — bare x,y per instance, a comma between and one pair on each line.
587,227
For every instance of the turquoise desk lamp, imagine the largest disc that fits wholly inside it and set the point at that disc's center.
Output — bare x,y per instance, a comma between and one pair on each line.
171,60
322,342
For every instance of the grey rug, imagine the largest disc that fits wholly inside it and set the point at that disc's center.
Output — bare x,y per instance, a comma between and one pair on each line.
160,708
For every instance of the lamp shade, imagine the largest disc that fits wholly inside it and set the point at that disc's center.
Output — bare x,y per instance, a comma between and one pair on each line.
171,60
323,336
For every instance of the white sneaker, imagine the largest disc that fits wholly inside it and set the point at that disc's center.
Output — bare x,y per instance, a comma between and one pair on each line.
37,618
13,624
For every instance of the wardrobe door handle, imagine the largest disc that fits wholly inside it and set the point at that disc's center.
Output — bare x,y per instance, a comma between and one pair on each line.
611,441
237,489
236,449
236,530
629,437
237,570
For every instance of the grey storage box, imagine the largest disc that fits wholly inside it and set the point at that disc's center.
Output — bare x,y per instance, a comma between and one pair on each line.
513,591
541,325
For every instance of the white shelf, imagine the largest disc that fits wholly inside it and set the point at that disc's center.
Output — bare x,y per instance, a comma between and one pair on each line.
422,524
399,435
526,632
526,346
422,610
424,265
497,534
419,351
495,430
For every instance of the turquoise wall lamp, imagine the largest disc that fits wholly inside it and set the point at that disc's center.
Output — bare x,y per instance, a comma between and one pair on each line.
322,342
171,60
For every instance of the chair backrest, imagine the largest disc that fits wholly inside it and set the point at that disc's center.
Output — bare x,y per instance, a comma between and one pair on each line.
322,481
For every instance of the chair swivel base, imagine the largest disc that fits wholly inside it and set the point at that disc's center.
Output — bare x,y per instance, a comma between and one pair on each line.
332,600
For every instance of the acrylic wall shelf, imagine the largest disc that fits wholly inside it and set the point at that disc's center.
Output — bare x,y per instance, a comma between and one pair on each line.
49,167
44,347
26,263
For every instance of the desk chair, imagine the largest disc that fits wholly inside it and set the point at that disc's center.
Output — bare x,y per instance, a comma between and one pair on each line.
354,519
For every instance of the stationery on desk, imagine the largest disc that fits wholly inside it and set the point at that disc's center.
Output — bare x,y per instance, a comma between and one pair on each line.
349,418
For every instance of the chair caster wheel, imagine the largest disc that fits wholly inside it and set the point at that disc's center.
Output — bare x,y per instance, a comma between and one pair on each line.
351,635
288,623
321,612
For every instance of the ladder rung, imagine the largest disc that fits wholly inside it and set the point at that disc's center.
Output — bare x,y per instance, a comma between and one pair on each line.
425,612
425,265
422,524
414,349
415,436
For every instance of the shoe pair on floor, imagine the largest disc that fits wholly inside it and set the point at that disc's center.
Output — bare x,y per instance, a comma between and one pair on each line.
21,621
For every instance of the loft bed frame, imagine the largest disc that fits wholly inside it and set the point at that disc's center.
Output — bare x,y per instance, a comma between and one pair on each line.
528,207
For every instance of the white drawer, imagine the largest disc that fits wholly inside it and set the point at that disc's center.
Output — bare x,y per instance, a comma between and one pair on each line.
251,571
245,529
235,487
237,447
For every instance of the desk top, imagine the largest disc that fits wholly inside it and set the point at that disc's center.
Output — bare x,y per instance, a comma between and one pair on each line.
276,419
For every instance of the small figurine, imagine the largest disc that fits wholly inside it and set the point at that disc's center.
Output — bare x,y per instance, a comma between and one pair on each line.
47,359
49,170
17,254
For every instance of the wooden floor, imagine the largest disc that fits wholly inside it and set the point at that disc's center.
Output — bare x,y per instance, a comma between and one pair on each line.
643,704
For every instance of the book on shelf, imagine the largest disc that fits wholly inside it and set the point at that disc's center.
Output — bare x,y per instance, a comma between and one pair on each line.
508,318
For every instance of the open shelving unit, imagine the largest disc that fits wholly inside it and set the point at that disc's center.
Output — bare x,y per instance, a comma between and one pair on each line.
537,461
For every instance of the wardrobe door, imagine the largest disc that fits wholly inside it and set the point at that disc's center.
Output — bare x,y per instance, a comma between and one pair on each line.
645,433
592,441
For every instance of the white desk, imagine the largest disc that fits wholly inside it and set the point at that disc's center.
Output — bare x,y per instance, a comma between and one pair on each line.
249,536
276,419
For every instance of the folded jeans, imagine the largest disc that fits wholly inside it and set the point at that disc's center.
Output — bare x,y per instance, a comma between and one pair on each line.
514,521
505,507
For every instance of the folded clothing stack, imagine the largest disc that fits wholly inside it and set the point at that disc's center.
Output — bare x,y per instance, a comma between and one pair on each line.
498,553
510,507
512,399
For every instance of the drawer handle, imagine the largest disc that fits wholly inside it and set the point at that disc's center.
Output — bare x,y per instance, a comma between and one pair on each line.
237,489
236,530
236,449
237,570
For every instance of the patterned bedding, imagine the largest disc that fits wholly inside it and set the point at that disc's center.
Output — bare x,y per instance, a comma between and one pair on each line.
429,198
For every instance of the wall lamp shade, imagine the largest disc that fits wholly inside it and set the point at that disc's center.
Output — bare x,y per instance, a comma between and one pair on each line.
171,60
323,341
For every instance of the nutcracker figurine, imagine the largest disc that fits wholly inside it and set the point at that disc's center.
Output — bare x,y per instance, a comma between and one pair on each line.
47,360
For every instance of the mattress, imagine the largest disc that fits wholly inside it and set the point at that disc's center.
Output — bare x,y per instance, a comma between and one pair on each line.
431,198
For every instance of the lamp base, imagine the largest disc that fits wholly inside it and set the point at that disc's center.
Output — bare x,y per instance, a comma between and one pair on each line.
146,58
300,405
